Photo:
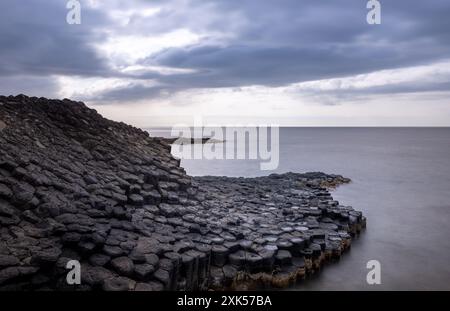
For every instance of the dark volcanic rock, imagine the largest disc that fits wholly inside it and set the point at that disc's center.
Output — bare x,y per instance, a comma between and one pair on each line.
99,259
123,266
46,256
144,271
76,186
119,284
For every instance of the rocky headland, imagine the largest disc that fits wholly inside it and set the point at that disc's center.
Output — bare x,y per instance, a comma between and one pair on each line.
76,186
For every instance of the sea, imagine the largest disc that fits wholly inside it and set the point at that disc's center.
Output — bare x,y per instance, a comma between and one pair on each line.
400,181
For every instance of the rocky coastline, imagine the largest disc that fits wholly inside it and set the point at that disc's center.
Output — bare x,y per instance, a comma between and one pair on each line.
76,186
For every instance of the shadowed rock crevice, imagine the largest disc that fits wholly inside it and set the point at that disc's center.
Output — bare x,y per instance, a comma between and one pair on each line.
76,186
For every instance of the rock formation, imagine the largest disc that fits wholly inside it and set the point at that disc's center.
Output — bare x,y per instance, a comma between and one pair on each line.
76,186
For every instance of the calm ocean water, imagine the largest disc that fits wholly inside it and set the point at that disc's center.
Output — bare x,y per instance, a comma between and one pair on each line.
401,182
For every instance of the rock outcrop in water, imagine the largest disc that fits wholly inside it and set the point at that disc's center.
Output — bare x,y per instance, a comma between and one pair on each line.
76,186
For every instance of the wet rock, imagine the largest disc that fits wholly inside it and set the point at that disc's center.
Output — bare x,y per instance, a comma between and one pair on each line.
268,259
167,210
46,256
144,271
152,259
94,276
113,251
219,255
23,193
245,244
118,284
86,247
137,257
217,278
5,192
99,260
202,258
71,237
8,260
247,260
123,266
286,245
136,199
316,249
30,217
162,276
230,273
104,193
6,209
149,287
11,273
147,246
152,197
9,220
283,258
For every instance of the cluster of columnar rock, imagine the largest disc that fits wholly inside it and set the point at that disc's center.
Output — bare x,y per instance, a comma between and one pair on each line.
76,186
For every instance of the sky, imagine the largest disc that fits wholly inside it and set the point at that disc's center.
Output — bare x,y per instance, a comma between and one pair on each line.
282,62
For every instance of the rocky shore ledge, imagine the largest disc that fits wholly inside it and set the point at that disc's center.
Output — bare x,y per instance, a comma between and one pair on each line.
76,186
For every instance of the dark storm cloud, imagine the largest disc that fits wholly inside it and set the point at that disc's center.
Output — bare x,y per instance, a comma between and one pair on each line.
35,39
294,41
34,86
244,65
133,92
247,42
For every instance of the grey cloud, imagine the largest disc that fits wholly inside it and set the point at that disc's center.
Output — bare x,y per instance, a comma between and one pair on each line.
282,42
36,40
399,88
131,92
247,65
33,86
336,95
248,42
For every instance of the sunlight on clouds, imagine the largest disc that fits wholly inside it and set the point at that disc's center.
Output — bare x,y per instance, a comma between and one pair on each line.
346,100
86,88
140,69
386,110
262,105
301,104
123,17
429,73
337,101
93,3
119,13
129,49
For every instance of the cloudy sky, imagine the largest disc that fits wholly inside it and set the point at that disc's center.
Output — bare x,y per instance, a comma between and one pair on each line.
287,62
